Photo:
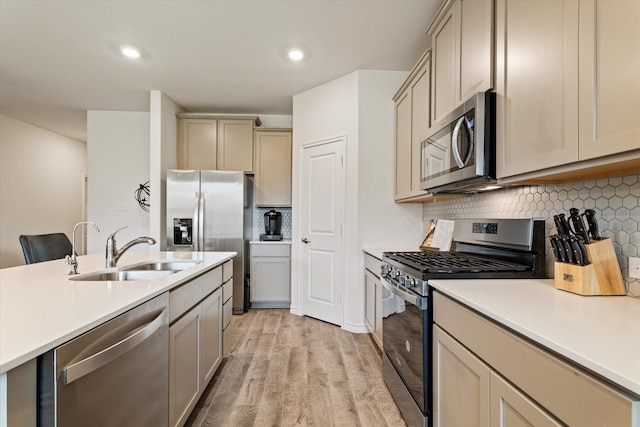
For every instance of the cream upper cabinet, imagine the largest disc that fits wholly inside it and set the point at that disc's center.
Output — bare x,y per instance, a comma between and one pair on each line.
536,85
609,78
235,145
215,144
462,44
273,168
412,121
568,86
197,143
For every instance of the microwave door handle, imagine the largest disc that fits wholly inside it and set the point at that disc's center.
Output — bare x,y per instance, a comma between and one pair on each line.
454,142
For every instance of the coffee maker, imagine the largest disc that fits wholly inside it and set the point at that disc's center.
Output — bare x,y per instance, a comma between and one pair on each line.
272,226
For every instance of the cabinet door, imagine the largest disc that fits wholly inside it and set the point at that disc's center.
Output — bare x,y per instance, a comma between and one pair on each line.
184,385
536,85
403,147
197,144
370,300
460,384
609,77
235,145
475,65
273,169
444,64
270,279
420,122
210,336
510,408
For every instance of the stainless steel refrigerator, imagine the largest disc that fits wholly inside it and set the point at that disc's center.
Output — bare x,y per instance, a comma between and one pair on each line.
210,211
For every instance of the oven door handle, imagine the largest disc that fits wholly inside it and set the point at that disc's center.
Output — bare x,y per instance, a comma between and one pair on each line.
418,301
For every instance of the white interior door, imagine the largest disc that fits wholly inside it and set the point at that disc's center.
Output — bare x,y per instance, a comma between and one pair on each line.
321,210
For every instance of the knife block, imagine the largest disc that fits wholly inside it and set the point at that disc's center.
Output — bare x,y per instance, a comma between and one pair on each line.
601,277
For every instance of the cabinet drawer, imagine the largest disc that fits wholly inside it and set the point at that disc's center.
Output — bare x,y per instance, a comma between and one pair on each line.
227,291
227,313
372,264
564,389
227,270
271,249
189,294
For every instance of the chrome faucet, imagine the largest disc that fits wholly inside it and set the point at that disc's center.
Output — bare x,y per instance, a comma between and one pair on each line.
71,260
113,254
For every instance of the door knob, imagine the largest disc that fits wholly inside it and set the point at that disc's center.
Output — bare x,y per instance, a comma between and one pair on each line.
305,240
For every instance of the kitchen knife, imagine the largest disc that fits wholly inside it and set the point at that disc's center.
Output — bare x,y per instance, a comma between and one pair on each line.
590,215
556,249
561,224
577,252
583,249
578,225
568,250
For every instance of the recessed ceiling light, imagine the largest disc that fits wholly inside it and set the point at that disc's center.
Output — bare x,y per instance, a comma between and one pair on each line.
130,52
296,55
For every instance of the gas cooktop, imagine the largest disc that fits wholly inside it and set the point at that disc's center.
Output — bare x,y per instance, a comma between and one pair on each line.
484,248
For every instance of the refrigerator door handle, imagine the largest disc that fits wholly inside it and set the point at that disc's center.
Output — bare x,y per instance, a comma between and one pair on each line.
196,223
201,222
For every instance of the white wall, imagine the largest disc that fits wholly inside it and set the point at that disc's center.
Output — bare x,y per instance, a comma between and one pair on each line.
359,106
40,185
118,162
163,147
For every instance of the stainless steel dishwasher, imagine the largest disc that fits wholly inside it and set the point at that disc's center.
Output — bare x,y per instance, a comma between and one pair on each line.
117,374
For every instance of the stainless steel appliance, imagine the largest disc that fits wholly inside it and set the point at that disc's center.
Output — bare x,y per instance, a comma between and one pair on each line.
458,155
210,211
272,226
484,248
114,375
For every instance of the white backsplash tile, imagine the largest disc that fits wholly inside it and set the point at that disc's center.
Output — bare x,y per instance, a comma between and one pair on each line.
615,200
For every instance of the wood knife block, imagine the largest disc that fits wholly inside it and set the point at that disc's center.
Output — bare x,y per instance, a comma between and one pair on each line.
601,277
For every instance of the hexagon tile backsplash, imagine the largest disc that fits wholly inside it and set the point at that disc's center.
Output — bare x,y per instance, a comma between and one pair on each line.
615,200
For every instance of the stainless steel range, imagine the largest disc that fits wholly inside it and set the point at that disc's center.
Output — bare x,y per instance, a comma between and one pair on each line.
483,248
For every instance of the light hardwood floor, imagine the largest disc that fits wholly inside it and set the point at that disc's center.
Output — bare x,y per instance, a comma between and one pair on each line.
288,370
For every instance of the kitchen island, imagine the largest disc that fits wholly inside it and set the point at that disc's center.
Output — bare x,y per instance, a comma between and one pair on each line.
40,308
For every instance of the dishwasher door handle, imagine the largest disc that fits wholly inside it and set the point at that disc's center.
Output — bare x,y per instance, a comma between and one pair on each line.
101,358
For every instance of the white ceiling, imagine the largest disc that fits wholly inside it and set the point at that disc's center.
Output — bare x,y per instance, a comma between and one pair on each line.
59,59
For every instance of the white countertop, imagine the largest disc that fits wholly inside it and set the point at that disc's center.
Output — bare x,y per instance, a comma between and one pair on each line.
601,333
40,308
270,242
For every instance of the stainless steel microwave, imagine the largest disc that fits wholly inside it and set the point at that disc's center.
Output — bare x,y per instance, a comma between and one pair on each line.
459,153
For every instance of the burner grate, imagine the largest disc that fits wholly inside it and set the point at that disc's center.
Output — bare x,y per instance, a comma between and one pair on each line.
439,262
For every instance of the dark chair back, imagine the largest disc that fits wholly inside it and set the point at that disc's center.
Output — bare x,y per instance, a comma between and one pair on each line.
45,247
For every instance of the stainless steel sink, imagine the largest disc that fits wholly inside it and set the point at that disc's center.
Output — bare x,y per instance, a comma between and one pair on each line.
169,265
150,270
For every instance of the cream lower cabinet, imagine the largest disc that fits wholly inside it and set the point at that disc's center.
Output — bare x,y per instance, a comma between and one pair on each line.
375,296
227,306
468,393
272,168
484,375
270,275
195,341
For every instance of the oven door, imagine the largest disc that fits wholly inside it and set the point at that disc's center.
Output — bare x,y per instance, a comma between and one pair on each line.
406,336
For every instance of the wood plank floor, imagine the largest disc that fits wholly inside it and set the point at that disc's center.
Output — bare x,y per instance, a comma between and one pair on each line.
288,370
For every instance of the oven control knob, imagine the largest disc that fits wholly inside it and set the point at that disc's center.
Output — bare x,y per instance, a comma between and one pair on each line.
410,282
394,273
